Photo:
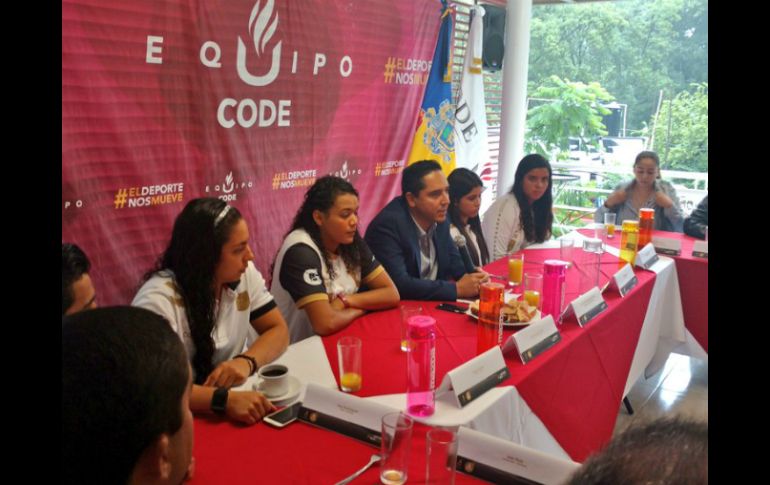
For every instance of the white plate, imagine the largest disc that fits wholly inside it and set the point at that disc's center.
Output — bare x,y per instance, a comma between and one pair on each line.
295,386
510,324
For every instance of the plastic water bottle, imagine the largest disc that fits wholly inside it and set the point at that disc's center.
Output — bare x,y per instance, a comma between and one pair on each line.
629,239
554,277
646,224
590,264
489,330
421,366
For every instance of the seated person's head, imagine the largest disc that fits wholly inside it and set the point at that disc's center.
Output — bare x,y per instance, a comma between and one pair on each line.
125,398
426,190
533,180
663,451
215,236
77,290
465,188
646,168
329,213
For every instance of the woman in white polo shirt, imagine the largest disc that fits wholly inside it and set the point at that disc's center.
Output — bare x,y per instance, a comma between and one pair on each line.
324,275
208,289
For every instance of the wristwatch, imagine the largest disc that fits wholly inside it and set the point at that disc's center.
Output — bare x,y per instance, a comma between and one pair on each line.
219,400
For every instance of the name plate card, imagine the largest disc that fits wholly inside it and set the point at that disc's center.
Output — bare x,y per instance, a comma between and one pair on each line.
701,249
625,279
588,305
534,339
500,461
475,377
646,256
343,413
667,245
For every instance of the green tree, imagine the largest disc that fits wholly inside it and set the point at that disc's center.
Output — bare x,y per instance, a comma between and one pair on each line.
633,48
574,110
682,131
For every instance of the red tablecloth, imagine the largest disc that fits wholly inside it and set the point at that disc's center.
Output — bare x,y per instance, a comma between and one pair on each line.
693,274
227,453
575,387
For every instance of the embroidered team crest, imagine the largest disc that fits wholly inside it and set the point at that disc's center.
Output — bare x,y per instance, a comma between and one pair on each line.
311,277
176,298
439,134
242,301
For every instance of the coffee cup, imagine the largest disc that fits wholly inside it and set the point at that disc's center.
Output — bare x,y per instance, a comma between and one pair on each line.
274,380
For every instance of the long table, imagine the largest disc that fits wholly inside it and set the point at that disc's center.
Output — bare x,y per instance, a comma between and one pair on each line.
227,453
575,387
693,277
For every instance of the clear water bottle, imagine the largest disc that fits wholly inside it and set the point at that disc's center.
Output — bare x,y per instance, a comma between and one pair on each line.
421,366
590,264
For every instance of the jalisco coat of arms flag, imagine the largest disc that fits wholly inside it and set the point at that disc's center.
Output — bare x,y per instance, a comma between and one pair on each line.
434,138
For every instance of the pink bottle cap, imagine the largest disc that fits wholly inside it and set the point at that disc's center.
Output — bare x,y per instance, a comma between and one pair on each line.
421,321
555,267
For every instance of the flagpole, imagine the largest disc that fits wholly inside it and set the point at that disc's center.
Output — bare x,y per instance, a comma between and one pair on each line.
514,102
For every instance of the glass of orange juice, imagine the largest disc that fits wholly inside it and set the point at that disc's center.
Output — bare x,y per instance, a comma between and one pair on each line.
349,355
533,288
609,224
515,269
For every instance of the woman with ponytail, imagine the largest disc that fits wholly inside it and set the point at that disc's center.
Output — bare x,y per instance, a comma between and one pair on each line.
207,287
324,275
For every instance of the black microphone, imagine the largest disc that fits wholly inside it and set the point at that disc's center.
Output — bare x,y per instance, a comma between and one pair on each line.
467,261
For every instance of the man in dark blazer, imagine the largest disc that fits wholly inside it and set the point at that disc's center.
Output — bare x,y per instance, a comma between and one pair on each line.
410,237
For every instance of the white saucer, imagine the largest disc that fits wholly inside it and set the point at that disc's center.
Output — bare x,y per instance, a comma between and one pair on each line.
295,386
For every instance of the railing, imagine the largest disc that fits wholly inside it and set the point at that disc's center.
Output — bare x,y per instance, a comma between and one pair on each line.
575,203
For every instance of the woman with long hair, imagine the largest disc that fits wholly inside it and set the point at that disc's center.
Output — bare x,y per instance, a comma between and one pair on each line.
323,263
524,215
646,190
465,189
207,287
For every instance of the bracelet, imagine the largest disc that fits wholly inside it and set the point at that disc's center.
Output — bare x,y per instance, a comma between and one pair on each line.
252,362
343,300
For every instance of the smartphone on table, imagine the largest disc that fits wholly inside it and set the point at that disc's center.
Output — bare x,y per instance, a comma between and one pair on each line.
284,416
449,307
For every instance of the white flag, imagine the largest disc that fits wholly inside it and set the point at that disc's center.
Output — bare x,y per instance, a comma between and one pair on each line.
471,149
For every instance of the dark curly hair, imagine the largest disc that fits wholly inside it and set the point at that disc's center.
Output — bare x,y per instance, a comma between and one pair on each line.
536,219
321,196
192,255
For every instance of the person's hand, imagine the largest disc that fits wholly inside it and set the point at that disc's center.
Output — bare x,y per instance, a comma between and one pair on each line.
247,406
468,285
662,200
486,275
337,304
616,198
229,373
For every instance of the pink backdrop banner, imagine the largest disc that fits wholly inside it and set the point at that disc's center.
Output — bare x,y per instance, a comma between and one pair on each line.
246,100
